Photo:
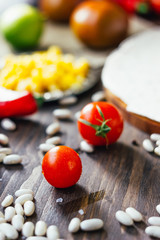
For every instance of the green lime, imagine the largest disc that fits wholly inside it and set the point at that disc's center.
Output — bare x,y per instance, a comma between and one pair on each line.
22,26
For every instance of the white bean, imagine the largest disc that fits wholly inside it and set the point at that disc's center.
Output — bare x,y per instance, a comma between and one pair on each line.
68,100
36,238
23,191
28,229
77,115
2,236
91,224
134,214
1,215
62,113
9,213
158,208
19,209
6,150
74,225
3,139
154,221
157,150
46,147
29,208
40,228
17,222
158,142
2,155
8,124
124,218
53,128
7,201
155,136
54,140
52,232
98,96
148,145
12,159
8,230
23,198
153,231
86,147
2,220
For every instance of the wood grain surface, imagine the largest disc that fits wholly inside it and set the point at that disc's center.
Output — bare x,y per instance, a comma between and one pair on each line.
113,178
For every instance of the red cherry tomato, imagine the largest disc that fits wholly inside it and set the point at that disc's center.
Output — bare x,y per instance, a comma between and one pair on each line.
100,123
62,167
156,5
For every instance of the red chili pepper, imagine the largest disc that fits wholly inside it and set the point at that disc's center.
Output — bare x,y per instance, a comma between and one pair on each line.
13,103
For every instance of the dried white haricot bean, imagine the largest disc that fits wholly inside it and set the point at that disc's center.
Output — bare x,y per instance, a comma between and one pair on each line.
37,238
91,224
8,230
3,139
12,159
23,198
53,128
17,222
155,137
74,225
19,209
98,96
134,214
77,115
68,100
9,213
28,229
157,150
46,147
7,201
6,150
148,145
62,113
23,191
2,236
40,228
52,232
2,155
54,140
8,124
86,147
1,215
158,208
158,142
153,231
124,218
2,220
29,208
154,221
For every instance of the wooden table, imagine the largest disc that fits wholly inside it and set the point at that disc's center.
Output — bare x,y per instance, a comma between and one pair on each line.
113,178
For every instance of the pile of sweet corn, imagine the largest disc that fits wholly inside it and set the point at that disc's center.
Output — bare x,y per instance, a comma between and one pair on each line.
44,71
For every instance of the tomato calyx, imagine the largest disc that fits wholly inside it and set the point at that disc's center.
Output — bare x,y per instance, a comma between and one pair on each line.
101,130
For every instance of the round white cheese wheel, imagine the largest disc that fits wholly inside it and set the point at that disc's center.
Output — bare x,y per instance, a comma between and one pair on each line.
132,73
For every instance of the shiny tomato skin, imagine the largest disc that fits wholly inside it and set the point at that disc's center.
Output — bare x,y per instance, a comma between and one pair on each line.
99,24
58,10
91,114
62,167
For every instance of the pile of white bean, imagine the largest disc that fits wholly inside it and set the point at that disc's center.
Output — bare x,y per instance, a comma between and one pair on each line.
6,155
152,144
12,221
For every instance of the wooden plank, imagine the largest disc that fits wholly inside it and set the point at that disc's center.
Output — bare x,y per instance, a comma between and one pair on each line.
113,178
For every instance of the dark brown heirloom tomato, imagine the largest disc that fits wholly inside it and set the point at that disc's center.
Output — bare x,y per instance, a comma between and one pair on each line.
99,24
58,10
